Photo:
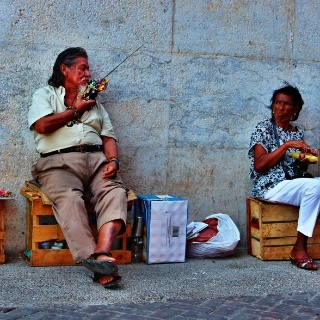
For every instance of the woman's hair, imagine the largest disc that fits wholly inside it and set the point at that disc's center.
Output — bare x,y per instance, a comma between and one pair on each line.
293,92
68,58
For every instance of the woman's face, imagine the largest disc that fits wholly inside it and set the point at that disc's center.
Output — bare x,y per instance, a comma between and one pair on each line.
284,108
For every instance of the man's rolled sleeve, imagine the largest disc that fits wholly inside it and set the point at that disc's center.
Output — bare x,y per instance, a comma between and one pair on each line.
107,128
40,107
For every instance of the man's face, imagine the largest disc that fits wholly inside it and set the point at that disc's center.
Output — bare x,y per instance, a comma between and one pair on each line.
78,74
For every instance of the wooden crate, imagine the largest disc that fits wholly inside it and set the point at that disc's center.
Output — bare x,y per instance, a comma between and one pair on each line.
2,256
38,207
272,230
2,212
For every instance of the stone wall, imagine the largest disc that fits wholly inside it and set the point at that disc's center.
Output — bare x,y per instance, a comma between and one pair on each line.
183,107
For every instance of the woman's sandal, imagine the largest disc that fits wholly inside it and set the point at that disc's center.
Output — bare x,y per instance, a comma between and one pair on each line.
306,264
102,267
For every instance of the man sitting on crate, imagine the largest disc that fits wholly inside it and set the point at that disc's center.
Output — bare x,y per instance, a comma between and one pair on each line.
78,151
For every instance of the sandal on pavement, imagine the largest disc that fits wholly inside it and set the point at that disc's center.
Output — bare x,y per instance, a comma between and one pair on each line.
102,267
116,280
307,264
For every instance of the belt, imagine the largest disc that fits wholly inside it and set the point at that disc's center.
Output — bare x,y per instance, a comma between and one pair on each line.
81,148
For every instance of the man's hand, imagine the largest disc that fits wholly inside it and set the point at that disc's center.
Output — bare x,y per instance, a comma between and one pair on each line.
110,170
83,105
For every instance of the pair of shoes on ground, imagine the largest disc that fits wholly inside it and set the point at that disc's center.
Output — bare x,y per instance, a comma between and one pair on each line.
102,268
307,264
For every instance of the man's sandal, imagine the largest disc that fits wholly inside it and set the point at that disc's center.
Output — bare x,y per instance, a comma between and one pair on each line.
306,264
102,267
116,280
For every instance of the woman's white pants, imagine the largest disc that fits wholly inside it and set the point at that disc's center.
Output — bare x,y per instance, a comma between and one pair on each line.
303,192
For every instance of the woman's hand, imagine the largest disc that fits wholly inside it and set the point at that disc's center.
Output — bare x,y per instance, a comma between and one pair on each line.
313,152
263,161
305,152
297,144
305,158
308,156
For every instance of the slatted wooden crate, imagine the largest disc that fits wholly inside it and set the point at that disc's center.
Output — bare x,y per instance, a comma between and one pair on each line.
2,256
38,207
272,230
2,212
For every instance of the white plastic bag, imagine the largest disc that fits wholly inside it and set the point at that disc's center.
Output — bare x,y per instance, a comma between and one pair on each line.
221,245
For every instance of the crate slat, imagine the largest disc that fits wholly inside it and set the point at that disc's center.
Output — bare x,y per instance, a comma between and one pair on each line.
46,232
278,230
282,241
49,257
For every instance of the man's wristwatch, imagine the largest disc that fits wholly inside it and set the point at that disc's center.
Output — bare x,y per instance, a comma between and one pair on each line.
116,161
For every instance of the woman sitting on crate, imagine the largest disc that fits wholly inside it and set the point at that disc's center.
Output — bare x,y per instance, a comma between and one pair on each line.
277,173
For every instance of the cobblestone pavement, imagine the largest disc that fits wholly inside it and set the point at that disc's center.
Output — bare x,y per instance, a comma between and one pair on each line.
239,287
289,307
